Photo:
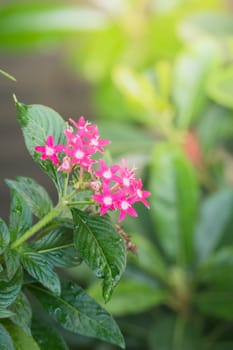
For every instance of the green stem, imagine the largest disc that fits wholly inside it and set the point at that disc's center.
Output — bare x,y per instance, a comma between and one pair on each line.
71,204
66,185
42,251
39,225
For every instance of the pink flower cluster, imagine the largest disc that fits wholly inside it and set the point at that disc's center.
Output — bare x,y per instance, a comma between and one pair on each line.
114,187
120,189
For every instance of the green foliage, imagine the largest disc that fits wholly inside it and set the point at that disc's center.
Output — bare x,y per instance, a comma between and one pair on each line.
41,241
165,67
38,122
174,201
34,195
101,247
77,312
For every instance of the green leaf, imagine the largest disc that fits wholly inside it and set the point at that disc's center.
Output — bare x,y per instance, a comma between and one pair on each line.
58,247
10,289
213,221
174,196
20,216
38,122
222,345
46,334
215,23
130,297
26,25
65,257
12,262
4,313
190,77
139,90
217,303
148,257
217,270
21,340
34,195
125,139
101,247
5,339
77,312
39,268
220,87
4,236
22,313
215,126
170,333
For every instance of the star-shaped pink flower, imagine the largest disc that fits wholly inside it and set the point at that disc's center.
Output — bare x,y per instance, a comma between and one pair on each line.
50,150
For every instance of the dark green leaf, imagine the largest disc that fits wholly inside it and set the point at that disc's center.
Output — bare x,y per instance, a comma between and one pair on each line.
101,247
174,196
20,216
4,236
222,345
58,247
130,297
63,257
34,195
213,221
5,339
216,303
217,270
39,268
12,262
22,313
79,313
10,289
46,335
38,122
4,313
170,333
21,340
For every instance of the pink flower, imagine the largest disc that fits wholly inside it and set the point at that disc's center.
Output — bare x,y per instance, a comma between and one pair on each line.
106,199
140,194
124,204
65,165
50,151
127,178
107,173
84,128
98,144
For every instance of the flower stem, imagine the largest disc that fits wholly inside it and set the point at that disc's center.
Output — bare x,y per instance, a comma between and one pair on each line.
70,204
39,225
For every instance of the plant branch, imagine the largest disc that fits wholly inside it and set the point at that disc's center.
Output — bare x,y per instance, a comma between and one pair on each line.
39,225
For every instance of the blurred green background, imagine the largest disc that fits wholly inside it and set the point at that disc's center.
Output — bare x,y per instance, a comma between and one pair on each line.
158,78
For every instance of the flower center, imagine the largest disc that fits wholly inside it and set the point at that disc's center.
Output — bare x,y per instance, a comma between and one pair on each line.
49,151
107,200
94,142
126,182
124,205
66,164
79,154
107,174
